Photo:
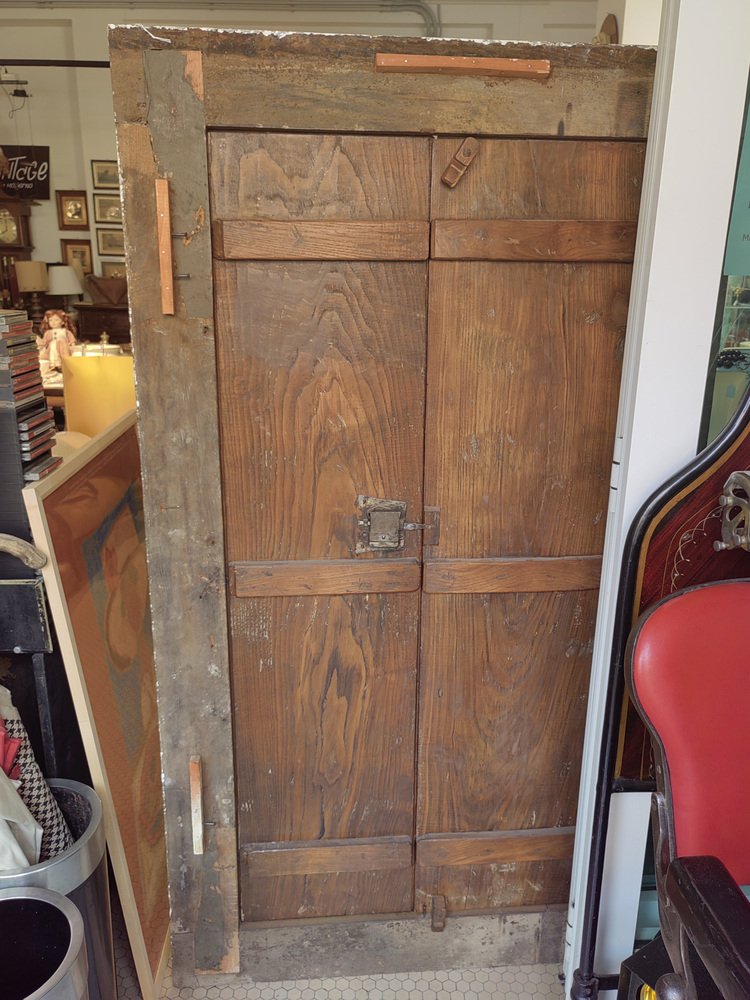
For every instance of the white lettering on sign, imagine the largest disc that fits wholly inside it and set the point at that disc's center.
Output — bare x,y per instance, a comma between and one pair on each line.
21,169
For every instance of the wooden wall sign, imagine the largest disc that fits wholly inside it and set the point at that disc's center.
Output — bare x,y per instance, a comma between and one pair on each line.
407,736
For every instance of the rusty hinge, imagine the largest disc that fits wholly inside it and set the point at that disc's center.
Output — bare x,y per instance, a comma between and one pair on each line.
461,161
438,912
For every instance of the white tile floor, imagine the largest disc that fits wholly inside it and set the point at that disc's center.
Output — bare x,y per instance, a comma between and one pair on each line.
530,982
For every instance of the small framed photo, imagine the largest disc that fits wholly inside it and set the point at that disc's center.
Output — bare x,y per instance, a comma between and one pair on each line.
72,211
110,242
113,269
77,253
104,174
107,209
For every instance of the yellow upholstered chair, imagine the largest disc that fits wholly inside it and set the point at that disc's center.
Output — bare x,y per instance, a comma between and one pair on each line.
97,390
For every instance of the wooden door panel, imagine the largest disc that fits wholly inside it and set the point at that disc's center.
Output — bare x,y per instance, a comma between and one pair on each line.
278,176
321,374
323,688
522,398
468,888
541,179
504,679
334,894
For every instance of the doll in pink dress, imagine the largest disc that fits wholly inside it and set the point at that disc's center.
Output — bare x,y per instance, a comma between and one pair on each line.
57,338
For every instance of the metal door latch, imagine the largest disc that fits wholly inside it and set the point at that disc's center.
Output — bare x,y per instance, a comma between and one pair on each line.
382,524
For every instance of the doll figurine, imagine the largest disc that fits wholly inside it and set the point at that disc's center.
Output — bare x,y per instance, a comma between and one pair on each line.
57,337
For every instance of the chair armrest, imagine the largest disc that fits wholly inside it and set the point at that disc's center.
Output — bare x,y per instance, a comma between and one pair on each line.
716,917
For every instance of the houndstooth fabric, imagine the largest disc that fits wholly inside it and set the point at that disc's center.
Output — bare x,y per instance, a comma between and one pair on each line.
39,800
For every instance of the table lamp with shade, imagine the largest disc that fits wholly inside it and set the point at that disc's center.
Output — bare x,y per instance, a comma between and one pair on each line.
32,280
64,282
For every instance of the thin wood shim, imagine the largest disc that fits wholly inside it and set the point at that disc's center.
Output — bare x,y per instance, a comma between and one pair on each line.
524,69
164,239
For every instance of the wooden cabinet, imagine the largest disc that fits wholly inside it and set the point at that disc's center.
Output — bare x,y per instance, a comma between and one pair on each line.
94,319
376,435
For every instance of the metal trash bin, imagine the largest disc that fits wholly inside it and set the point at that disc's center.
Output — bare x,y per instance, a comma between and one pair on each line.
42,948
80,873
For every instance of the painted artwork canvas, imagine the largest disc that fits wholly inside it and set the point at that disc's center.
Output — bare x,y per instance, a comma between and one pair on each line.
88,518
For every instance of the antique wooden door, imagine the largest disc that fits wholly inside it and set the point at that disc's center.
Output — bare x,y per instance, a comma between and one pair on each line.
417,394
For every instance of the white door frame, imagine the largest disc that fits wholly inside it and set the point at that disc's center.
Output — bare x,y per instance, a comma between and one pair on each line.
699,98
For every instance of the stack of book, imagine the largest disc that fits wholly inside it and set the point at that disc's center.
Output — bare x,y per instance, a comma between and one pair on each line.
28,429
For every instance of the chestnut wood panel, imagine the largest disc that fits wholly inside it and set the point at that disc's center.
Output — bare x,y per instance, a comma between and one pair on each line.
328,856
545,179
503,687
495,886
282,177
321,374
331,576
495,576
332,894
336,677
437,850
241,239
532,239
521,405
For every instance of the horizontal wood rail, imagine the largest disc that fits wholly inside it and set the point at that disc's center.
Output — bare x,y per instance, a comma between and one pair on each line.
324,576
320,857
503,576
401,62
436,850
542,240
250,239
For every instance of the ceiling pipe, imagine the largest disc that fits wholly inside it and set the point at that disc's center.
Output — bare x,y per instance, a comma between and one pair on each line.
430,16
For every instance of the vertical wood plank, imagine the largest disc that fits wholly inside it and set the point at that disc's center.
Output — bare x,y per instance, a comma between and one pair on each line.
179,449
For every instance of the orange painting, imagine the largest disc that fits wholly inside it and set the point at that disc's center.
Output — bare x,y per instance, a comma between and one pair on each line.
95,536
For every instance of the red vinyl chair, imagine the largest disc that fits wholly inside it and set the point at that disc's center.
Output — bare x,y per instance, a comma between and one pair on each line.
688,670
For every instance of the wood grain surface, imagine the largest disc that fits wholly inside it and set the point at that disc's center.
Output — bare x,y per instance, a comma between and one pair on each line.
323,687
321,374
495,576
300,81
240,239
521,405
436,850
541,179
325,576
532,239
323,857
307,178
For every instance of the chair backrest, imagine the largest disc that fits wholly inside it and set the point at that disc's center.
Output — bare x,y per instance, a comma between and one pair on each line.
689,674
97,390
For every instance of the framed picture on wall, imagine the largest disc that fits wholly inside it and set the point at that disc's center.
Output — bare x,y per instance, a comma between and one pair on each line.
107,209
104,174
77,253
72,211
113,269
110,242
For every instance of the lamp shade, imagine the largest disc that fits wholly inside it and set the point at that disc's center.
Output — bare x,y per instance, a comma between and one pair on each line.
63,280
31,275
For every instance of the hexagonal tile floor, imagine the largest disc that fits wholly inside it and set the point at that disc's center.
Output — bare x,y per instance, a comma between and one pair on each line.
520,982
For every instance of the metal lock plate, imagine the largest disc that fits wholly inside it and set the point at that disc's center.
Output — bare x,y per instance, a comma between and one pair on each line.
381,524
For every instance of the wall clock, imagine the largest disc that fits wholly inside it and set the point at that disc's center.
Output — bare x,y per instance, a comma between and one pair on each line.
14,224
